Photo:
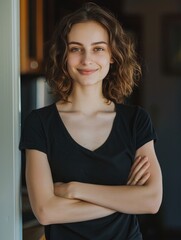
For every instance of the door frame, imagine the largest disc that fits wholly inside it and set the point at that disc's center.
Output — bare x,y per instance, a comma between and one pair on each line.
10,158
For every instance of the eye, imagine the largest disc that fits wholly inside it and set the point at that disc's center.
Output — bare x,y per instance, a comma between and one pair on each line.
75,49
98,49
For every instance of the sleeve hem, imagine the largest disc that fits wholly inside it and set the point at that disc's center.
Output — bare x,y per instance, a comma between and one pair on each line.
31,146
146,140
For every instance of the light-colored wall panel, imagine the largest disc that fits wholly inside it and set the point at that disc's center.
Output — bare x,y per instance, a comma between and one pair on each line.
10,210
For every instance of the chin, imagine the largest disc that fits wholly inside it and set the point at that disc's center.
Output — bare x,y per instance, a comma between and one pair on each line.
89,82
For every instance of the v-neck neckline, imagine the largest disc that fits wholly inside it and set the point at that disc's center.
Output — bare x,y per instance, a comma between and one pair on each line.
78,145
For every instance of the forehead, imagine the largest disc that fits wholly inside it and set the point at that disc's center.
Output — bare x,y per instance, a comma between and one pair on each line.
88,31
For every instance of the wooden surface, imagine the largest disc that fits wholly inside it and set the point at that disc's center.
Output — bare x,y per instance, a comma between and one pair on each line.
34,233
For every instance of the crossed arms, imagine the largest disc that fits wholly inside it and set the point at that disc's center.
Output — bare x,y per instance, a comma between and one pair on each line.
76,201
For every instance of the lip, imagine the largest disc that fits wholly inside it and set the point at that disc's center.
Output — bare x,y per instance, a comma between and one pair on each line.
86,71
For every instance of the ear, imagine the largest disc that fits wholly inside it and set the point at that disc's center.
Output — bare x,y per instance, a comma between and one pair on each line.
111,60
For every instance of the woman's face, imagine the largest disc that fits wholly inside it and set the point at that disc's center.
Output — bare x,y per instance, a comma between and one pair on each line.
89,55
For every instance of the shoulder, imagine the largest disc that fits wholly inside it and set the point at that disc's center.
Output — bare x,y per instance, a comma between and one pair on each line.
41,116
133,115
131,111
138,120
36,128
43,113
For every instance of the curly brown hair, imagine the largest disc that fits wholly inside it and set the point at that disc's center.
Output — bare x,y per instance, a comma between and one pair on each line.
123,73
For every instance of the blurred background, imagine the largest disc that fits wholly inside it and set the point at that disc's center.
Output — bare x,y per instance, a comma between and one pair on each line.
155,26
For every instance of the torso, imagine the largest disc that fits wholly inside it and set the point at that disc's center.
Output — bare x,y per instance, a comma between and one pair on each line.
108,165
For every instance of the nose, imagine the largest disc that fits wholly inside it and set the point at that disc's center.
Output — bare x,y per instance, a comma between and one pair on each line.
86,58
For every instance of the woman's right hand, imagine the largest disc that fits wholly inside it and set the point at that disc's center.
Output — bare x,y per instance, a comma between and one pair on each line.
139,173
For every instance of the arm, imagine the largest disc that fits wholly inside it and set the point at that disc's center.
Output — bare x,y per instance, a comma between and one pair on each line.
133,199
49,208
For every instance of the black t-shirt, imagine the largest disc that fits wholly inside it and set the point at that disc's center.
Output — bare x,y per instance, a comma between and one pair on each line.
109,164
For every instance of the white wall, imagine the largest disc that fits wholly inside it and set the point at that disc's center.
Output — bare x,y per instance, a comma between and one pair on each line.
162,97
10,215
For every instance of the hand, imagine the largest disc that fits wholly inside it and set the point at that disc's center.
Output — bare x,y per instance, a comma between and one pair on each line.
139,173
64,190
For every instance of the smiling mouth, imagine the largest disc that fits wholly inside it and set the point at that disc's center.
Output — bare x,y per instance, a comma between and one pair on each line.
87,71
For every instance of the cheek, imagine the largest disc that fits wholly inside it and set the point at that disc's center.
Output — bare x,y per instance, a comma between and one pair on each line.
105,64
104,60
104,67
72,61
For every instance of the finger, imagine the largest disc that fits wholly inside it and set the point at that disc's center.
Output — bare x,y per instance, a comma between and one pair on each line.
139,165
136,178
136,162
144,179
135,169
139,174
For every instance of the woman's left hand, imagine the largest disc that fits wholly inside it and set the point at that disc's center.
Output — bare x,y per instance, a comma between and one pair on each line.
139,173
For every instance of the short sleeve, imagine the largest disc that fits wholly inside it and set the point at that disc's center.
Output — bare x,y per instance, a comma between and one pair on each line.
144,130
33,135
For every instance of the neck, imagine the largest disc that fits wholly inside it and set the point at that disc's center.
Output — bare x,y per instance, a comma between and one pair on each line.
88,100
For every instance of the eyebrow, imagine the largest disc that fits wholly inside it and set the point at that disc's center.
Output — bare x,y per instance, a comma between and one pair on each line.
94,43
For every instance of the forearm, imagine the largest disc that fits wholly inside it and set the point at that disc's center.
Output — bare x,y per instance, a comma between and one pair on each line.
126,199
141,197
61,210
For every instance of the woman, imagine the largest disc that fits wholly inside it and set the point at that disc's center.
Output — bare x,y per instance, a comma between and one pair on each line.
90,159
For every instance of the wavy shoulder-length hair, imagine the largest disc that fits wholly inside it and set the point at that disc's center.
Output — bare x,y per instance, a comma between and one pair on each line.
123,73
